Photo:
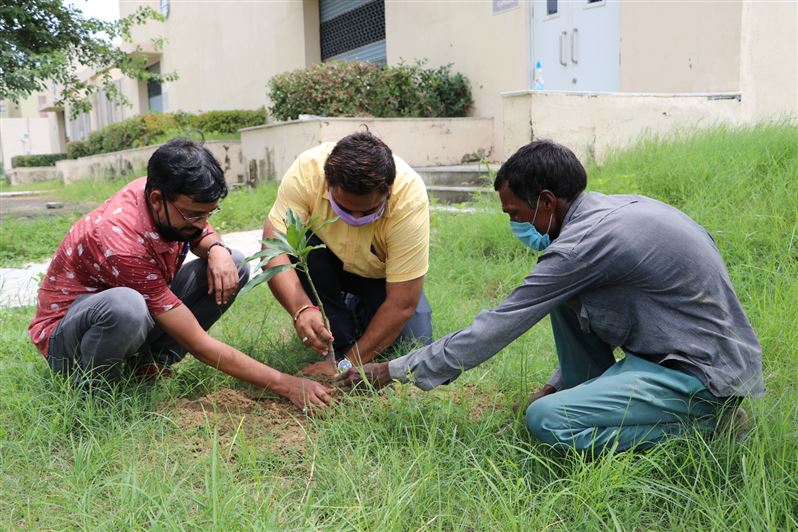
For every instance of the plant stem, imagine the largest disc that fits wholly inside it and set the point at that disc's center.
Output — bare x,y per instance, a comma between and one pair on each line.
303,265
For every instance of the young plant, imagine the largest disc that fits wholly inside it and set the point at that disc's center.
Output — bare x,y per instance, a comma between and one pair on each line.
294,243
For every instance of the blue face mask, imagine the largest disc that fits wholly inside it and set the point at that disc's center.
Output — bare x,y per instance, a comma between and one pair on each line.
528,235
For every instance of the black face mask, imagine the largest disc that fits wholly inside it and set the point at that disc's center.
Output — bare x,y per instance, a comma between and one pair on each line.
169,233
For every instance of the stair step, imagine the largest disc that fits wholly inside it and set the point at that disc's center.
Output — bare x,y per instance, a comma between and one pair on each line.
456,194
462,175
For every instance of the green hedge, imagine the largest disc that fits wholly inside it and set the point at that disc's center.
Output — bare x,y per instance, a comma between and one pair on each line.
42,159
355,88
149,129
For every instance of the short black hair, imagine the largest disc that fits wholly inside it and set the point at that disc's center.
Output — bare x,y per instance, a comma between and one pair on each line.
542,165
361,163
183,167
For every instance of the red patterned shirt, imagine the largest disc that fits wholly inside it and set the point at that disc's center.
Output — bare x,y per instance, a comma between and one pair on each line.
115,245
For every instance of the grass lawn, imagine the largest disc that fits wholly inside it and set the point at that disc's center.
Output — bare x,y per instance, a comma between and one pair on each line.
201,450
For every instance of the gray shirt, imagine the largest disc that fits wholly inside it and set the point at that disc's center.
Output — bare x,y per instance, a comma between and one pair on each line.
642,275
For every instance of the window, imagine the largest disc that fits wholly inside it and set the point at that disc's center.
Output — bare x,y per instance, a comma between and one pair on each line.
154,92
551,7
165,8
353,30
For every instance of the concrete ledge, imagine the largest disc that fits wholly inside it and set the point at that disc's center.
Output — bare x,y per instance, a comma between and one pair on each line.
32,174
594,124
269,150
119,163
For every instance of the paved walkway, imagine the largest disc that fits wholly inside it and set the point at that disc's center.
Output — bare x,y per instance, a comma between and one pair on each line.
18,286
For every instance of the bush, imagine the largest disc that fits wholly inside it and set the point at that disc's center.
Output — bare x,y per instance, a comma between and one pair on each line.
355,88
227,121
42,159
149,129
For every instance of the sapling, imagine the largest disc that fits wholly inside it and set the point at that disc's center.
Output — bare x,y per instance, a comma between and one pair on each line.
294,243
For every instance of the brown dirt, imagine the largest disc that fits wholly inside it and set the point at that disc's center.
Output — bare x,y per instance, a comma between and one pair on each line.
261,418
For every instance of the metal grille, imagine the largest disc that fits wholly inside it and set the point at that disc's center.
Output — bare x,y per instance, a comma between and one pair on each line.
354,29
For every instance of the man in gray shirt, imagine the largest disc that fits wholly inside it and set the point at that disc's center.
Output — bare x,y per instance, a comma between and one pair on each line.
615,271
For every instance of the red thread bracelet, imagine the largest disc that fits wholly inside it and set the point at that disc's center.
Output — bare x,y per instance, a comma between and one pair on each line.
303,309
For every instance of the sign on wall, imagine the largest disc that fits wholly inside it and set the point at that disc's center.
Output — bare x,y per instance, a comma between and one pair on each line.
500,6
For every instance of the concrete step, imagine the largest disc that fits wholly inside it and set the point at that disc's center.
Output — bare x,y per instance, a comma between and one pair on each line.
457,184
457,176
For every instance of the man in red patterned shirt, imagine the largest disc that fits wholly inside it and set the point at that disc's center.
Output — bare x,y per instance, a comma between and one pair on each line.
117,296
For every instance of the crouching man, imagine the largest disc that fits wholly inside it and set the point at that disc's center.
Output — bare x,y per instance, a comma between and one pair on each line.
370,277
117,298
614,271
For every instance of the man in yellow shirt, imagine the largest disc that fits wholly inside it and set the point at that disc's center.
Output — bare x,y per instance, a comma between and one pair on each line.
371,274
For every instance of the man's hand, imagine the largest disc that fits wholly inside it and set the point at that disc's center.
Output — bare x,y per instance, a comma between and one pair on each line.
311,329
307,394
222,275
376,374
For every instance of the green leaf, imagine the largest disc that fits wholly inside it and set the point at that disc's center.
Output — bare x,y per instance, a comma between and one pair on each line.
265,276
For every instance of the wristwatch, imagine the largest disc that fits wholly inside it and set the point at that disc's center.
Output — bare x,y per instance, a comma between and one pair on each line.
220,243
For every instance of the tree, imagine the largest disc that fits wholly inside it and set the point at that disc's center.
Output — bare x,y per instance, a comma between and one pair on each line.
45,40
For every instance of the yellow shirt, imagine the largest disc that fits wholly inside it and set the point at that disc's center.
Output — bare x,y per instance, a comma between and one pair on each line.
395,247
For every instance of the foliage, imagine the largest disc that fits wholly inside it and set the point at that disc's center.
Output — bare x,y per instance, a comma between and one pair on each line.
153,128
294,243
44,41
355,88
227,121
41,159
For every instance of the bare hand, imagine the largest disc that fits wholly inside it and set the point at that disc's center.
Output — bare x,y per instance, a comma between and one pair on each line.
376,374
323,368
222,275
307,394
311,329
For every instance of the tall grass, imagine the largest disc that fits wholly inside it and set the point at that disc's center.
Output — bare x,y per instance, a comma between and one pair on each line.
453,458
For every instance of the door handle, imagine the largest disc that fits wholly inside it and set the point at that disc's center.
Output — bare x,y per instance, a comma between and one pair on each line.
563,44
573,46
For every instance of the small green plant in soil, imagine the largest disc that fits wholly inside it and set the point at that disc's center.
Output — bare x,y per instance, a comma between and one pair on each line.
294,243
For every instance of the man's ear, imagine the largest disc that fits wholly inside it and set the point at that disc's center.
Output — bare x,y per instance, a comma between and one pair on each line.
548,200
156,198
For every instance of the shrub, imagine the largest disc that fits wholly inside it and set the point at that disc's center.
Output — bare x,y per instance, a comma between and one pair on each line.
355,88
227,121
78,148
42,159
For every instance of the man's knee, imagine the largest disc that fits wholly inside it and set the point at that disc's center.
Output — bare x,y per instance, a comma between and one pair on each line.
126,307
545,421
243,267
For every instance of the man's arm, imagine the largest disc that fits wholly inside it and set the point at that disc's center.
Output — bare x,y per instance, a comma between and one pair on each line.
287,289
399,306
180,324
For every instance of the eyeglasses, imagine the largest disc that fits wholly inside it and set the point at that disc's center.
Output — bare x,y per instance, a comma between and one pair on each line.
195,219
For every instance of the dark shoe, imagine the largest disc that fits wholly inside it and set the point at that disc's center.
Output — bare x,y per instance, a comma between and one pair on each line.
152,372
735,422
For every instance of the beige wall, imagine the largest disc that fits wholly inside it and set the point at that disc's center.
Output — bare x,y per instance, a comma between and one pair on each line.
593,125
269,150
25,136
122,163
226,51
769,66
490,50
680,46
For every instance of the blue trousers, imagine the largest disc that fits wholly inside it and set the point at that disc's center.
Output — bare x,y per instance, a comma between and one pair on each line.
632,403
107,333
351,301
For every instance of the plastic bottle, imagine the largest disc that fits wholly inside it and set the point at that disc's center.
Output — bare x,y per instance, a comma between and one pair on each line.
538,76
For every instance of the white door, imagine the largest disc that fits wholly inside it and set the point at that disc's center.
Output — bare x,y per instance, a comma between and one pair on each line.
578,44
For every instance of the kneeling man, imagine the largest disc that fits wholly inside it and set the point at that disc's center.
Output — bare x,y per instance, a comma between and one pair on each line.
615,271
118,299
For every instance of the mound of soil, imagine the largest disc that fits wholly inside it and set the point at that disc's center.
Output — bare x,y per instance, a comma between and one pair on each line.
261,418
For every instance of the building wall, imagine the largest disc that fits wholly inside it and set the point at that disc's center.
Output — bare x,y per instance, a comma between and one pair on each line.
226,51
491,50
769,66
24,136
680,46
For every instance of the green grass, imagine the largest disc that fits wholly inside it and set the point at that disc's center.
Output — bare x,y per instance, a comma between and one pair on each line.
452,458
